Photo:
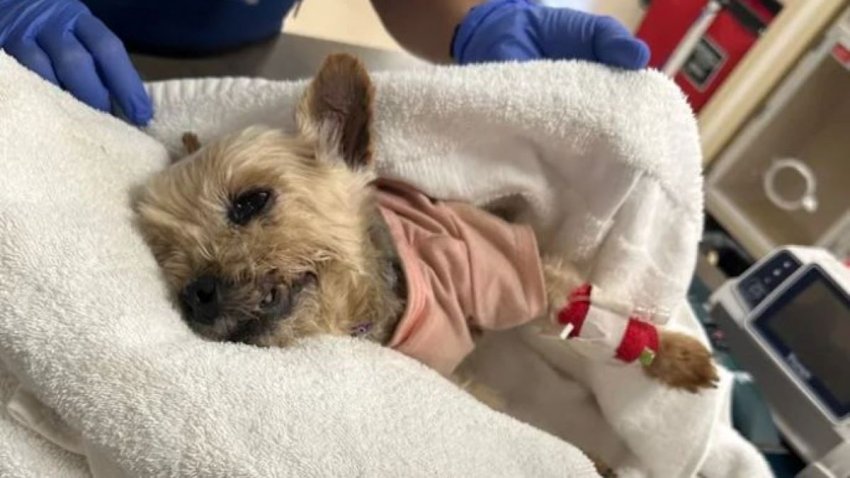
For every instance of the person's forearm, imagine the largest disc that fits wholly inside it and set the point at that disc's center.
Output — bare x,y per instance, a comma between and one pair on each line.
424,27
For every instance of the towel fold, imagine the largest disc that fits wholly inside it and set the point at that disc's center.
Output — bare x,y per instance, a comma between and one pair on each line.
603,164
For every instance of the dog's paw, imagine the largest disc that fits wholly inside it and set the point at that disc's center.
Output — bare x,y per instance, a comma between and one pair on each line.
683,362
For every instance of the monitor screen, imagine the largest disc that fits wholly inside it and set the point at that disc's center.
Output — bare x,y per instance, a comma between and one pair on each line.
809,326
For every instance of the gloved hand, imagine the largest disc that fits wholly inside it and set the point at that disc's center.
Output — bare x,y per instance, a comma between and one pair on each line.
499,30
62,42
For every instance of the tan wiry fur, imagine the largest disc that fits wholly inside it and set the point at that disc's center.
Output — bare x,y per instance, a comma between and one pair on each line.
682,362
321,222
322,235
321,240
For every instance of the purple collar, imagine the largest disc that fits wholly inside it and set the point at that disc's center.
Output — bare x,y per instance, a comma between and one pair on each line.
360,330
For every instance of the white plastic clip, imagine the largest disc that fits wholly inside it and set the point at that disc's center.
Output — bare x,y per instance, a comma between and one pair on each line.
565,334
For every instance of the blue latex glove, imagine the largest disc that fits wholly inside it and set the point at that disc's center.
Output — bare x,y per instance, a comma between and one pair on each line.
500,30
62,42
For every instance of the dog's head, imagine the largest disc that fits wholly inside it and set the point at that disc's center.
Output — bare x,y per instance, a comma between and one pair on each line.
263,236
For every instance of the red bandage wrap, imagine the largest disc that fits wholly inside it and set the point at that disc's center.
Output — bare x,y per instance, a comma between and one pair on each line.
639,336
576,310
596,319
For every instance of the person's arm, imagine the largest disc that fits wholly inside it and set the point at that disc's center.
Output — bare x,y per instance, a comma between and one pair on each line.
474,31
424,27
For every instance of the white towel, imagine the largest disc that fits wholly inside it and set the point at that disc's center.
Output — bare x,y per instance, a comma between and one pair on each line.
23,453
607,165
86,327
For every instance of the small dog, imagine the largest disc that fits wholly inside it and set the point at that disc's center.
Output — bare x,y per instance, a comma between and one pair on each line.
265,237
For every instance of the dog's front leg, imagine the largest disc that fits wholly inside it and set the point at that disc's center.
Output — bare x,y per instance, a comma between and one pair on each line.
673,358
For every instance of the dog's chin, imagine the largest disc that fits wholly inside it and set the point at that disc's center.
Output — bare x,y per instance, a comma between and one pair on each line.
259,326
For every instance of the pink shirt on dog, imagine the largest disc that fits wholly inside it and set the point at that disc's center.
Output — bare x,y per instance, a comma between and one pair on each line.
464,268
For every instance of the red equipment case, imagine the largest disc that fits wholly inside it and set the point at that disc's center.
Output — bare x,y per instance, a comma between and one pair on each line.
733,31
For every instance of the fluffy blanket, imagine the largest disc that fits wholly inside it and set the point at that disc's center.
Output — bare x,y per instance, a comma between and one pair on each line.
604,165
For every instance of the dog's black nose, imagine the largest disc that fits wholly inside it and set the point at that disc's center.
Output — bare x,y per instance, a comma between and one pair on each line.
201,299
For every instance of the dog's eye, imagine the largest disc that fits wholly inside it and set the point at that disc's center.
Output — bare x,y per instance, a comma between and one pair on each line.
249,205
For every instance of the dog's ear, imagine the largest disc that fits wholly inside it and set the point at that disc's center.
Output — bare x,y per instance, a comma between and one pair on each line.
191,143
336,111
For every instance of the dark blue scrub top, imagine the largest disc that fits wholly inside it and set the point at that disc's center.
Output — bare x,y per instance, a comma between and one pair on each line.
190,27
